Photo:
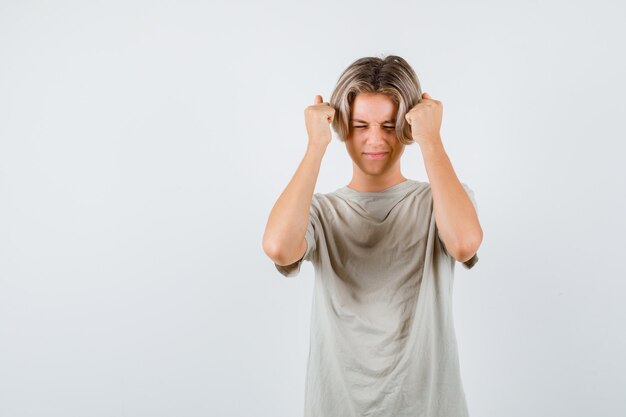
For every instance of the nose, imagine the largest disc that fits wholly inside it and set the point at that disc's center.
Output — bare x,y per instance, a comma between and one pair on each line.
376,134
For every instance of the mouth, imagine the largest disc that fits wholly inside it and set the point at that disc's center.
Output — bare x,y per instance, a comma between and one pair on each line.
375,155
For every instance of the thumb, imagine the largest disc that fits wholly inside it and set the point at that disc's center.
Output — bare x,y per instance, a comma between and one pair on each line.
426,95
318,99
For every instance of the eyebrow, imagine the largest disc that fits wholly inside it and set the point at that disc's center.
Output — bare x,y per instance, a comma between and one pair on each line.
363,121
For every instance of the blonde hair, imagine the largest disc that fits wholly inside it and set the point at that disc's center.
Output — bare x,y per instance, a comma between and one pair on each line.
391,76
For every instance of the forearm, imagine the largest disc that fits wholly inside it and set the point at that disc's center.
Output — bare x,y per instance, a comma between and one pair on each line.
456,217
289,218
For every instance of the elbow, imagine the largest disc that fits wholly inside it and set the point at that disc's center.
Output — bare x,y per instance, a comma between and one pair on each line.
271,250
275,253
465,250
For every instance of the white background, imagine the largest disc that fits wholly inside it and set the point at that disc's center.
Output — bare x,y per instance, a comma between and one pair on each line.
143,145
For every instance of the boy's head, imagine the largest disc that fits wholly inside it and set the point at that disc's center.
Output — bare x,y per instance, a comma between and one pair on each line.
370,100
391,76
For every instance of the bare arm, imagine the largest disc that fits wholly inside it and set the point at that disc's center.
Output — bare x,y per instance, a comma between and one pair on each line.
455,215
284,238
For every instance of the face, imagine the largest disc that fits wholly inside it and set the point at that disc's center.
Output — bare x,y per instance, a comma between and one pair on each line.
372,132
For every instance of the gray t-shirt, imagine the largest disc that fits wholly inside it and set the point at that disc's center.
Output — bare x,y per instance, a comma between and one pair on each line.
382,339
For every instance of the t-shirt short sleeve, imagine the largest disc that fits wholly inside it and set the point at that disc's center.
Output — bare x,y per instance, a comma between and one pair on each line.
293,269
472,261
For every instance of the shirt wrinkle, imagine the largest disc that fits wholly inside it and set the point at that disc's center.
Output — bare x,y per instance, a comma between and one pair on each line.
382,339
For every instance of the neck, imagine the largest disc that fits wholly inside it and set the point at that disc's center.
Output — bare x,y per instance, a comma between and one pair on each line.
370,184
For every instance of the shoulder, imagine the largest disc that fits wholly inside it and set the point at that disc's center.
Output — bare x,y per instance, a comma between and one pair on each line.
467,188
328,199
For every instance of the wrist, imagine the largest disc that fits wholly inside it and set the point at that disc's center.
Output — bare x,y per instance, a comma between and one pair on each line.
316,149
431,146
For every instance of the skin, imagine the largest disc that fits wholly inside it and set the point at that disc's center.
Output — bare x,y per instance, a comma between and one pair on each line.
455,215
368,134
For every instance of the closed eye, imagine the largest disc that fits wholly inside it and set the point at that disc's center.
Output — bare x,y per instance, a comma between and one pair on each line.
385,127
